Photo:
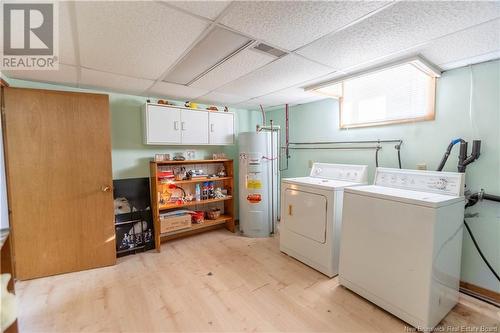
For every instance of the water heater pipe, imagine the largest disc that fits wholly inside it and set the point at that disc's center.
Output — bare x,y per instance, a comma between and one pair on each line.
272,178
274,157
263,115
287,135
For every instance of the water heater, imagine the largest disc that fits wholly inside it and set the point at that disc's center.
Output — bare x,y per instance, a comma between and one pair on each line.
258,182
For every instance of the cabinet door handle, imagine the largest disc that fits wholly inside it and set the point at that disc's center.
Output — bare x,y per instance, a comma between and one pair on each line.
290,210
211,127
176,125
183,126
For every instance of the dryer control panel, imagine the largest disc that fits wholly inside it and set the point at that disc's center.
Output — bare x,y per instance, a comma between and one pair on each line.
448,183
346,172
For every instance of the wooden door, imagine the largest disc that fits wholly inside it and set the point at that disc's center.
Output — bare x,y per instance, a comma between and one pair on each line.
221,128
194,125
58,157
163,125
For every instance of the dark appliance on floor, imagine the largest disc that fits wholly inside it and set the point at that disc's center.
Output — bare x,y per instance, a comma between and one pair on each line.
133,221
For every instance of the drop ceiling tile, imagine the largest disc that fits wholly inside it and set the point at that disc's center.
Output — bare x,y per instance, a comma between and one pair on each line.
218,98
66,75
467,44
139,39
270,100
242,63
275,100
292,24
113,82
176,91
289,96
67,50
401,26
208,9
285,72
297,94
318,80
248,105
310,100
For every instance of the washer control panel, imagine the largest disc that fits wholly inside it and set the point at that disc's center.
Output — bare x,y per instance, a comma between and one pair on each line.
346,172
449,183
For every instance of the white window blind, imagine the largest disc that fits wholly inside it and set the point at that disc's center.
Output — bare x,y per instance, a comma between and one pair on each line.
393,95
396,94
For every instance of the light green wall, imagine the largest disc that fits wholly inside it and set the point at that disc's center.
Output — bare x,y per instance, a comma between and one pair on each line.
424,142
130,157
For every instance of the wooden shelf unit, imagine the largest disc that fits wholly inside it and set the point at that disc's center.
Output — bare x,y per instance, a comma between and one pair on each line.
192,162
192,203
199,180
195,228
227,219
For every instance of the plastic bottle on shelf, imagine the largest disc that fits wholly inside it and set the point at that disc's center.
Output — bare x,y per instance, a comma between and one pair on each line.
211,190
204,191
198,192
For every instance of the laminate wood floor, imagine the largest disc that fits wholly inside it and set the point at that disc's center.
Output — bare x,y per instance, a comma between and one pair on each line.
216,281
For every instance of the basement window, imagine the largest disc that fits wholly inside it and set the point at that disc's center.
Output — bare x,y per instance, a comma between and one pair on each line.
397,94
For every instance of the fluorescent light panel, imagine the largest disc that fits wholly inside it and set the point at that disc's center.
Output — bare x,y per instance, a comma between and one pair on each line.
219,45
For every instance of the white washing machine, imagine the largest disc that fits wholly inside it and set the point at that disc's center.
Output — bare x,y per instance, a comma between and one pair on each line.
401,243
311,213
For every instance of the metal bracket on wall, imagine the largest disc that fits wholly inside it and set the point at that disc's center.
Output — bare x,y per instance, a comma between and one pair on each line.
346,145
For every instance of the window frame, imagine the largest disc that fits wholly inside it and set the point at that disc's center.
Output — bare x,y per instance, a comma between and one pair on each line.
418,61
430,114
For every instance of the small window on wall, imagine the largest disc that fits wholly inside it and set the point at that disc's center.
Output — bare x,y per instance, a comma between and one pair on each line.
404,92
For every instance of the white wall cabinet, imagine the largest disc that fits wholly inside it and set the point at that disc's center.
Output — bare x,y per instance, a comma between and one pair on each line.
162,125
221,128
168,125
194,127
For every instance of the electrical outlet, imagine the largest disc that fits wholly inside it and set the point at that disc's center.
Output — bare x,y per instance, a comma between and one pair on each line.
311,162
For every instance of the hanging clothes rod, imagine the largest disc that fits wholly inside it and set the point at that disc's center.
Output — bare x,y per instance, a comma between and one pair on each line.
345,142
334,148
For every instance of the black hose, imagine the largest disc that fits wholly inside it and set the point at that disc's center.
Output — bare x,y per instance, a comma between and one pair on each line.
376,157
399,158
447,153
474,198
491,197
445,157
398,148
481,252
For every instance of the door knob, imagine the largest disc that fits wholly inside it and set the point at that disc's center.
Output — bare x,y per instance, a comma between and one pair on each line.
106,188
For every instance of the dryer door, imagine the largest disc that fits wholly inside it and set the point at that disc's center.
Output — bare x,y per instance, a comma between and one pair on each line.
306,214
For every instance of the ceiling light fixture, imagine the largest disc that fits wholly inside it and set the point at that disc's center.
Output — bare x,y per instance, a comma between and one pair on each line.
217,47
